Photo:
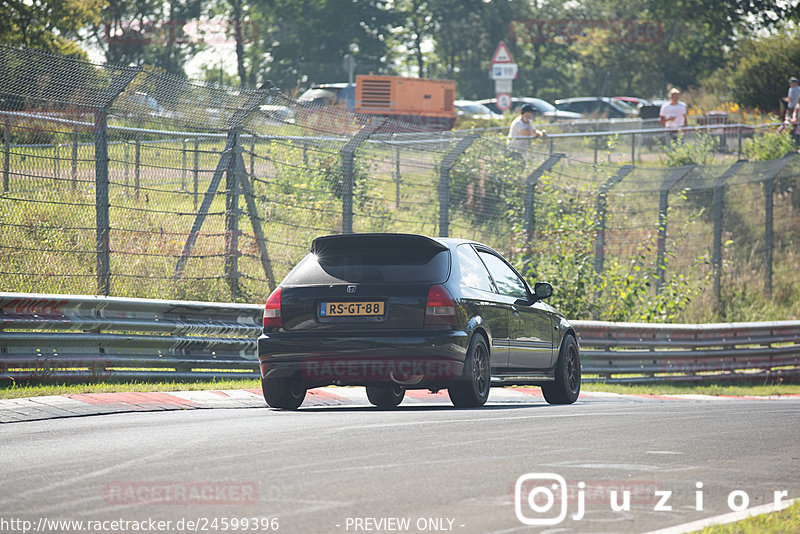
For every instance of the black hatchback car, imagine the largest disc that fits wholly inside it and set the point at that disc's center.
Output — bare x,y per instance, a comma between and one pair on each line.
399,311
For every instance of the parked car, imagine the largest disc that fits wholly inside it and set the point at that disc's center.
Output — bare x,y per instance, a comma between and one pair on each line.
633,101
277,114
652,109
140,103
331,94
647,109
598,106
474,110
400,311
543,108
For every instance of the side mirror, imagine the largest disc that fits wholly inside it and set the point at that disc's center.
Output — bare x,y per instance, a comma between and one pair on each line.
542,290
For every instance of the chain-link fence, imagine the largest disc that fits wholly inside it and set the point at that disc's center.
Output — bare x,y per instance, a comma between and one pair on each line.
130,182
640,142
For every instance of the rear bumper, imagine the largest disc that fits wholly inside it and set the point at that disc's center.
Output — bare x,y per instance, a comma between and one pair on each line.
417,359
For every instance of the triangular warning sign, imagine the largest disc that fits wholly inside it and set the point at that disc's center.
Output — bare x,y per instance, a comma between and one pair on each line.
501,54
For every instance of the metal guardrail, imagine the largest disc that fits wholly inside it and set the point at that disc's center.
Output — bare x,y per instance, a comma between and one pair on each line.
61,337
64,337
637,352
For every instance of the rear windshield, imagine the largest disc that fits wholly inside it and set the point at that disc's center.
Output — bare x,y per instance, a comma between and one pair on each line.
384,264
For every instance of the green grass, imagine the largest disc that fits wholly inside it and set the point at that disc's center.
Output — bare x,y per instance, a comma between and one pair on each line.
20,391
732,389
784,522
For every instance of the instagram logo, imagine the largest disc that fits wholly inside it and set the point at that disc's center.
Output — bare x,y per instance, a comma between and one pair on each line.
535,496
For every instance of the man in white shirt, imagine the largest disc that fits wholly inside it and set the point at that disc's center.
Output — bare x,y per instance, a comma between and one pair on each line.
792,96
673,113
522,131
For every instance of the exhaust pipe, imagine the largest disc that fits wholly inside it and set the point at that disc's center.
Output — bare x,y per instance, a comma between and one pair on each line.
411,380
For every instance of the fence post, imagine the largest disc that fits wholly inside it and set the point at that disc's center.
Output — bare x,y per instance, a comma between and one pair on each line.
444,180
769,190
739,142
252,212
136,162
717,204
348,171
600,236
633,149
596,147
223,165
101,178
196,169
183,165
56,163
75,157
663,206
530,192
102,225
253,158
6,153
125,156
397,178
232,214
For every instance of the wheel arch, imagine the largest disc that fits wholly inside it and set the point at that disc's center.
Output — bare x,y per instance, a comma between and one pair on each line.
480,331
570,331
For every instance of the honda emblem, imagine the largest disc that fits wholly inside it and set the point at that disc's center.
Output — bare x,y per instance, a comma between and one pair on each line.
351,289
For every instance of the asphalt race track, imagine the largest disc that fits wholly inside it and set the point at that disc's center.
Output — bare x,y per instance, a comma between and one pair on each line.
425,467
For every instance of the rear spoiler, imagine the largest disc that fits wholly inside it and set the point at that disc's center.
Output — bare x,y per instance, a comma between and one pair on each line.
342,243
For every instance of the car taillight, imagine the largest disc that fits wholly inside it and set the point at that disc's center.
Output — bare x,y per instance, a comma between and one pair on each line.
272,311
440,307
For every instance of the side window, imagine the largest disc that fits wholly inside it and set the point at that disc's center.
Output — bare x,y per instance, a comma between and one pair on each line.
473,272
506,280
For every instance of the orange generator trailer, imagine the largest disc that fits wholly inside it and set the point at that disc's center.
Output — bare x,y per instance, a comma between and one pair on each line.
418,101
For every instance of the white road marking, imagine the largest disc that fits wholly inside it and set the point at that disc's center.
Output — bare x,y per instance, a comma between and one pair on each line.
724,519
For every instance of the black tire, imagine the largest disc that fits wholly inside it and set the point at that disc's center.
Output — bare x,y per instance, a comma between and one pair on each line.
567,386
386,396
283,393
473,388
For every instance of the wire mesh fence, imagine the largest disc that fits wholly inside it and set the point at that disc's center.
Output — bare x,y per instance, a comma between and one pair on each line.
130,182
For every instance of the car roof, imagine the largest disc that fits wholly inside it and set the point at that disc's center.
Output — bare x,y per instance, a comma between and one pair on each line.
584,99
335,85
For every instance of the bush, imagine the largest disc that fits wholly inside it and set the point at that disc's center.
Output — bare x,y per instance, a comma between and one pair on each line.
683,152
769,145
562,253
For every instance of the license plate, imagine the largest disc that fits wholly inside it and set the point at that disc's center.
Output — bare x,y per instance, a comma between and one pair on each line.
350,309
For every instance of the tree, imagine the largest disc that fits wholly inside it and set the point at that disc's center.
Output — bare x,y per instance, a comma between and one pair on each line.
417,29
760,68
304,41
52,25
697,33
467,32
547,64
151,32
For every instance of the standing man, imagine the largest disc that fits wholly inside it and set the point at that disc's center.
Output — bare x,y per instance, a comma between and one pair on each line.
791,97
522,132
673,115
